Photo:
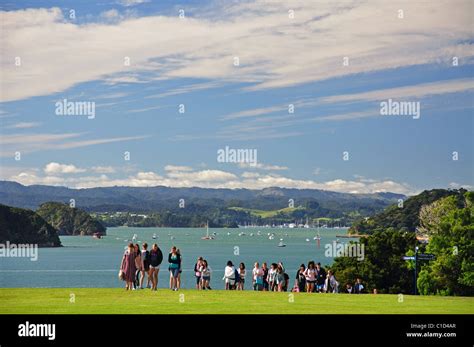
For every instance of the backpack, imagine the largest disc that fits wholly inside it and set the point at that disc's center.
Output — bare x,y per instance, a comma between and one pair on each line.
147,258
237,276
156,258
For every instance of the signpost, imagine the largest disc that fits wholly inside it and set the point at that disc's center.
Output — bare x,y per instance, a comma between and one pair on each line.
416,257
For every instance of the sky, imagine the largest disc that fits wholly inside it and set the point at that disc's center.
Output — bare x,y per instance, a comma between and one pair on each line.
300,84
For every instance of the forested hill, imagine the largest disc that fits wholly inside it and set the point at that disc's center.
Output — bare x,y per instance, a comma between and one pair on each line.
21,226
404,217
194,207
69,221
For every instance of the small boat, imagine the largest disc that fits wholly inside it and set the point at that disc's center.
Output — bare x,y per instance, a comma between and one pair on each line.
207,237
281,244
307,240
154,236
251,234
228,234
96,235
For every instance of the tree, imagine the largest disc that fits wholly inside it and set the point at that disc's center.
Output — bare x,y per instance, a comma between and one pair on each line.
383,267
451,229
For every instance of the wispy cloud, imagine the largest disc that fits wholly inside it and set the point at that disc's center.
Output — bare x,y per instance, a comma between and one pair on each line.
274,50
24,125
412,91
29,143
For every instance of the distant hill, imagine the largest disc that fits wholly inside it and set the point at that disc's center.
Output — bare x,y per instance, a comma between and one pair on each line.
219,207
22,226
406,217
69,221
153,198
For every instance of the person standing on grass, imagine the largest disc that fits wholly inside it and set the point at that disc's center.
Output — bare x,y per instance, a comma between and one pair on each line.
242,272
310,277
265,277
205,271
174,259
229,276
272,277
331,285
197,273
156,258
257,276
180,269
280,277
358,286
145,268
128,266
138,266
320,277
300,281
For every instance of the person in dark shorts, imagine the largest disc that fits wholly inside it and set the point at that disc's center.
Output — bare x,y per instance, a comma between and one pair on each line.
138,266
320,278
242,273
265,277
300,281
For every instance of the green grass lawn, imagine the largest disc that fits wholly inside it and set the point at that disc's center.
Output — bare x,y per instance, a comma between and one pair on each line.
115,300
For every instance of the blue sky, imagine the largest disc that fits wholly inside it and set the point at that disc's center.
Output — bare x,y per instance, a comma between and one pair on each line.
285,58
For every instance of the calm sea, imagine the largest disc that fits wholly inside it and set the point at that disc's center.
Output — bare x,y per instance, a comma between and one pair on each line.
88,262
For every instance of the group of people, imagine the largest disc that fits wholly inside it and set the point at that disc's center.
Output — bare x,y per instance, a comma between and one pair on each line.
312,278
136,264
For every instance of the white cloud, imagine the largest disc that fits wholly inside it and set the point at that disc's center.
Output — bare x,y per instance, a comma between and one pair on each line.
262,166
128,3
24,125
176,176
103,169
178,168
56,168
411,92
29,143
274,50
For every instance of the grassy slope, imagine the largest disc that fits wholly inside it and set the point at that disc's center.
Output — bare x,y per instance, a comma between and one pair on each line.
267,214
106,300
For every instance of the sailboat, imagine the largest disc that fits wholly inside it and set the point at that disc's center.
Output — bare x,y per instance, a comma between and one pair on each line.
318,237
207,237
281,244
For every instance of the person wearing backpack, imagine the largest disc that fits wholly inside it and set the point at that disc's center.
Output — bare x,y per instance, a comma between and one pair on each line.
145,268
155,259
